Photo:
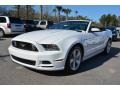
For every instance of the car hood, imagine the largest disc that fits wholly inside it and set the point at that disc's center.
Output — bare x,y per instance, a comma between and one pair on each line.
47,36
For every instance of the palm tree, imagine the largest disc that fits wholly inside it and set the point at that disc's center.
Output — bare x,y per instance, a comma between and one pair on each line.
67,12
59,9
18,10
27,11
76,12
54,10
41,12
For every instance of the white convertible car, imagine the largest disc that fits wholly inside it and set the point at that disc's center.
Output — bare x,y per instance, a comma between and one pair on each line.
63,47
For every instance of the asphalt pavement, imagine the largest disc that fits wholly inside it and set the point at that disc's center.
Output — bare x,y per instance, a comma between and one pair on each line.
98,70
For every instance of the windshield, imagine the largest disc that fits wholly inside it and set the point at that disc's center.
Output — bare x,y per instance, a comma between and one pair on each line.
29,22
15,20
71,25
36,22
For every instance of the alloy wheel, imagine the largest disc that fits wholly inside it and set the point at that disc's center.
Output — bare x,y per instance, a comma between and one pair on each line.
108,46
75,59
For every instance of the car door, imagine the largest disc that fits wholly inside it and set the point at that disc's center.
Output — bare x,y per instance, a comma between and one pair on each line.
94,41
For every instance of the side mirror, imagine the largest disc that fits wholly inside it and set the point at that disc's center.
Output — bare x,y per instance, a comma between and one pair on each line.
95,30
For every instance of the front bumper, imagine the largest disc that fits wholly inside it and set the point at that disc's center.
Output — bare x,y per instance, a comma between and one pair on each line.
54,57
114,36
9,31
17,32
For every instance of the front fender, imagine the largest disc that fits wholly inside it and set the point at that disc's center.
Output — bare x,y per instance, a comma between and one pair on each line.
109,33
67,45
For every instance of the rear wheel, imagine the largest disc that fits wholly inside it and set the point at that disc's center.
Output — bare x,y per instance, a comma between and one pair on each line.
108,47
73,60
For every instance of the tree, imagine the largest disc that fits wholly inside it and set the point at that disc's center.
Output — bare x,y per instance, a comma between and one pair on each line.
29,12
109,20
76,12
94,23
18,11
23,11
67,12
17,8
3,11
115,20
83,18
55,11
41,12
59,9
103,20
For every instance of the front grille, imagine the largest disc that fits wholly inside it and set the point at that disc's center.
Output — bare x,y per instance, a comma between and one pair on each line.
26,61
24,46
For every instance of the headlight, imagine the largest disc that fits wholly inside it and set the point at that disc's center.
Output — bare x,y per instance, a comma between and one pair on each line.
50,47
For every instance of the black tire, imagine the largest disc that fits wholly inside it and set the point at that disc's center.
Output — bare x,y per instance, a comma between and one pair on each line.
114,38
1,33
68,68
108,47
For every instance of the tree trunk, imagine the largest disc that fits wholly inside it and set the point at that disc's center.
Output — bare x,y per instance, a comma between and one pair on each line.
76,16
41,12
55,14
18,11
47,12
59,16
66,17
27,12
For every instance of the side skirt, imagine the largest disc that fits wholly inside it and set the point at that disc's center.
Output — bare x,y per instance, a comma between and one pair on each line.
93,54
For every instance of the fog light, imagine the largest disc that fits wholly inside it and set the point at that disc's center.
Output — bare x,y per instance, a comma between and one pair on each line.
46,62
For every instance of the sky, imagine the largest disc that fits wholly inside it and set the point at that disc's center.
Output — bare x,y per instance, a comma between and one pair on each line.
93,12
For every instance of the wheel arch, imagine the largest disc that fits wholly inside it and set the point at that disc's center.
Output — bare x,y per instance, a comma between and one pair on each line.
2,28
110,39
73,45
67,55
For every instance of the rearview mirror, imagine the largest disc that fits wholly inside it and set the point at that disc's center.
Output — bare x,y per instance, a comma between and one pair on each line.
95,30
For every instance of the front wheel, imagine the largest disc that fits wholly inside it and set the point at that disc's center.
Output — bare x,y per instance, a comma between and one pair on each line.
1,33
108,47
73,60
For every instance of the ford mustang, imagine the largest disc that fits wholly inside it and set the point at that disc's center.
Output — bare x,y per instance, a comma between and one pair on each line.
62,47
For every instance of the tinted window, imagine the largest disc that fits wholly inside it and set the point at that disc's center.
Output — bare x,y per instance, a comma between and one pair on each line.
71,25
36,22
29,21
2,20
43,23
15,20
